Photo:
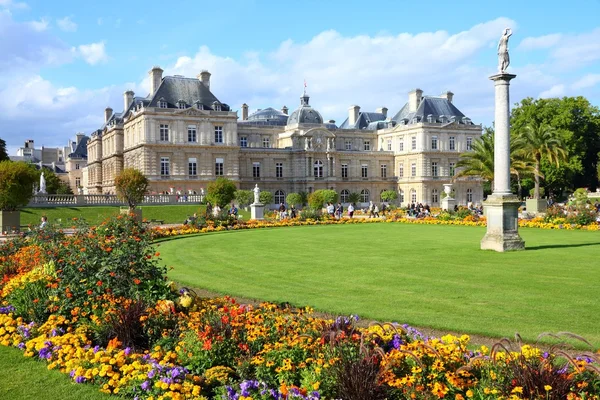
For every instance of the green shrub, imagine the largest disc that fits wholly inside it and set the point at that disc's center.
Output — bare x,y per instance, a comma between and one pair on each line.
319,198
354,197
31,301
389,195
244,197
310,213
266,197
221,192
16,184
294,199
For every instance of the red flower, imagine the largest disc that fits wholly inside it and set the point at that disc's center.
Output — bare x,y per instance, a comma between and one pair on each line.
99,283
137,281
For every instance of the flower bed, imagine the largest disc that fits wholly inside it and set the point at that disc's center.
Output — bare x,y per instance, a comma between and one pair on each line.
97,306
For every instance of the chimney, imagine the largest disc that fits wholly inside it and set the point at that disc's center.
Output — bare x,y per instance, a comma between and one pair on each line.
414,99
448,96
382,110
107,113
244,112
284,110
127,99
353,115
155,78
204,76
78,137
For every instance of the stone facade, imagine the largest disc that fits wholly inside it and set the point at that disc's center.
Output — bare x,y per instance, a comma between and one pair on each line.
181,137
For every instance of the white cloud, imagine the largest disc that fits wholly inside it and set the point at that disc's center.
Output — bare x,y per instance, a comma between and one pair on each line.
589,80
40,25
576,51
66,24
554,91
17,5
93,53
540,42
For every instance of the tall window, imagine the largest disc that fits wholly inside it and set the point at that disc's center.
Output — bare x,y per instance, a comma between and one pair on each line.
165,166
279,197
452,168
401,145
364,171
413,143
163,132
279,172
383,170
413,169
401,196
192,167
452,143
469,195
367,145
434,143
413,196
344,195
266,142
218,134
364,196
77,182
434,168
401,171
318,169
219,167
348,144
256,170
243,141
76,166
434,196
389,144
192,136
469,143
344,171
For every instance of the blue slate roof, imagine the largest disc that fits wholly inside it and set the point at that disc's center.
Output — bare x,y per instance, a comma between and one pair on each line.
190,90
364,120
436,107
268,116
81,149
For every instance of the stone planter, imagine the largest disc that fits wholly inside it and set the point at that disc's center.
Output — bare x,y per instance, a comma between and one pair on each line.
10,221
536,206
137,213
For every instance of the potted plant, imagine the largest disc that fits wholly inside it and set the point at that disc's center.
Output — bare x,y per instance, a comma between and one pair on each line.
131,186
16,189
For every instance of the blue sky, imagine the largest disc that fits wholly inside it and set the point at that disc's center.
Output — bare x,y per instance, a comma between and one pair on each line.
63,62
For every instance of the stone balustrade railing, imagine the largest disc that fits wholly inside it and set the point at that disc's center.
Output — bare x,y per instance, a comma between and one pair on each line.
75,200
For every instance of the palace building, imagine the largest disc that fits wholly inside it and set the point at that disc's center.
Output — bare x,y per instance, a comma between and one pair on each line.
181,136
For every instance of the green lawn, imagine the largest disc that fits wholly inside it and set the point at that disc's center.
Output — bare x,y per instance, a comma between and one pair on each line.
24,378
63,216
423,275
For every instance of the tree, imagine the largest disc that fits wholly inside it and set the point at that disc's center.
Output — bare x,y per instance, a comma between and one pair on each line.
3,153
221,192
542,140
318,198
354,197
244,197
131,186
294,199
266,197
389,195
16,184
304,197
54,185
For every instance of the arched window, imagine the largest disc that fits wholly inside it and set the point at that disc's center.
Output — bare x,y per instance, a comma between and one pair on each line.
401,196
469,195
318,168
279,197
364,195
434,196
344,195
413,196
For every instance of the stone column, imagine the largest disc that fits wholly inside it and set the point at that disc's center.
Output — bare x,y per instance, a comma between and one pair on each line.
502,207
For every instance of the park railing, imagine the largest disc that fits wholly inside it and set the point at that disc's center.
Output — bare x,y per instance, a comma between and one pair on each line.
82,200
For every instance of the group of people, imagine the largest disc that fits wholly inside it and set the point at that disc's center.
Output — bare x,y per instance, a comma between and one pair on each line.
373,210
336,211
283,213
215,211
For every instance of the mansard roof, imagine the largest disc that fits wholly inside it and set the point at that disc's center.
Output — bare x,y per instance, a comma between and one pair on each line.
364,120
192,91
440,110
81,149
267,116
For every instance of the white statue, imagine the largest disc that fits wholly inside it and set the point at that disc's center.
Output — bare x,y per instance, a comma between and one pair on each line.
448,189
256,194
42,184
503,58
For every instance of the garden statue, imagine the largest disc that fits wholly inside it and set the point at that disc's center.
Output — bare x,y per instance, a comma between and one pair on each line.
42,184
503,58
256,194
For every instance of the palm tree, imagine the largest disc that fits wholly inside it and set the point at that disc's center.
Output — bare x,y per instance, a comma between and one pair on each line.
541,140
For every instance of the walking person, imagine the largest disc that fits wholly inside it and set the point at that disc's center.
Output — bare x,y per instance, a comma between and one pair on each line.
376,211
351,210
371,210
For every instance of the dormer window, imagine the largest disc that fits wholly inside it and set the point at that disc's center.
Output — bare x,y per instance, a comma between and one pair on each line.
181,105
217,106
162,103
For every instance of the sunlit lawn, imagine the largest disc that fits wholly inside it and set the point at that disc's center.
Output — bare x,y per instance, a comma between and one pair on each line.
424,275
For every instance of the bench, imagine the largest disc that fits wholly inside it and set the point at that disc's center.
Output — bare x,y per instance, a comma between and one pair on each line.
155,221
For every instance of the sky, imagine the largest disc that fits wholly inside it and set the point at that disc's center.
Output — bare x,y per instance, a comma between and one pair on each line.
62,62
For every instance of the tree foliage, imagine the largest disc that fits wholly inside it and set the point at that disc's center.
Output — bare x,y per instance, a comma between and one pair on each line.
16,184
318,198
354,197
221,191
294,199
389,195
54,185
244,197
131,186
3,152
266,197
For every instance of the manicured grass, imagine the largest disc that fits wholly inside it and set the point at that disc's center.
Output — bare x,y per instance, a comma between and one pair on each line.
63,216
26,379
423,275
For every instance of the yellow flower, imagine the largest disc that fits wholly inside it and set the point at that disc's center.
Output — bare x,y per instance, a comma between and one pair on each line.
547,388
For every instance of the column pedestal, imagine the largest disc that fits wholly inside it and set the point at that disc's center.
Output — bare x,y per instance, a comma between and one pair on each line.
502,212
448,203
257,211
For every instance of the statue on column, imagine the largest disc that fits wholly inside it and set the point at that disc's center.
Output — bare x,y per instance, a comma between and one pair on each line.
503,58
256,194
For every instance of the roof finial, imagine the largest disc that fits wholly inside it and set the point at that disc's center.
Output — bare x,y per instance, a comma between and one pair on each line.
304,87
